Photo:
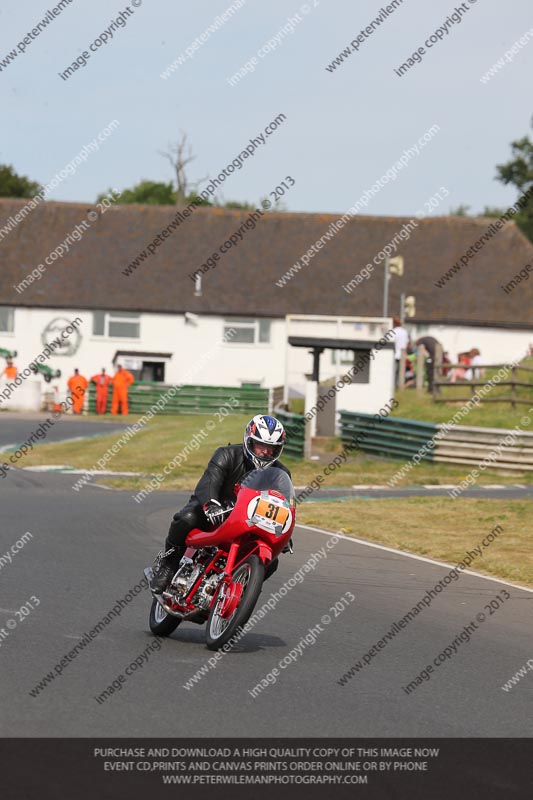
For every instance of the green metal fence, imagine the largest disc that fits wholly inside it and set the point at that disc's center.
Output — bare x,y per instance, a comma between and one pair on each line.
392,437
294,425
189,399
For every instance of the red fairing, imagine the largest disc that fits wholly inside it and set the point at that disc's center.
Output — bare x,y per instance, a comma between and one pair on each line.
240,529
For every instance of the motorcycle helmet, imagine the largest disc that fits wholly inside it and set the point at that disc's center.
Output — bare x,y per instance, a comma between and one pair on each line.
263,430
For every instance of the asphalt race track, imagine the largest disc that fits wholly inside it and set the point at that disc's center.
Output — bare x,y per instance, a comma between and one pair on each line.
89,549
16,429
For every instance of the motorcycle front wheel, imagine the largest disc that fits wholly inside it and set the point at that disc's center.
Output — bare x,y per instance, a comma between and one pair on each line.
161,623
221,627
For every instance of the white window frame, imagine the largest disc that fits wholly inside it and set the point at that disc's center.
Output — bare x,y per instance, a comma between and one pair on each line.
113,316
11,331
248,323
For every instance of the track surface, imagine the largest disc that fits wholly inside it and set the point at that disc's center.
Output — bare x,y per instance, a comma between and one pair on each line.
89,548
16,429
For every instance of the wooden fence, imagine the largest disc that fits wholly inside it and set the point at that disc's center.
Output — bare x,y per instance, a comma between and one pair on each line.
463,390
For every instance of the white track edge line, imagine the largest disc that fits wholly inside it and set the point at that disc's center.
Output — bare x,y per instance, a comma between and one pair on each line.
412,555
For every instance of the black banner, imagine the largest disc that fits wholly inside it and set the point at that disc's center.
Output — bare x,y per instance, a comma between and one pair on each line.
418,769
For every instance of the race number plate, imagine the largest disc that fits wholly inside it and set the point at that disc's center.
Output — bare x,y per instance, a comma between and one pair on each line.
272,510
270,513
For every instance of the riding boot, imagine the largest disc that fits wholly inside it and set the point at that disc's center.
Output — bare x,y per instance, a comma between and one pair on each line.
166,566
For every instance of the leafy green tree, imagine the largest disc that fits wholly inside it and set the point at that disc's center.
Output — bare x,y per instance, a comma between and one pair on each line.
238,206
14,185
460,211
493,211
519,173
147,193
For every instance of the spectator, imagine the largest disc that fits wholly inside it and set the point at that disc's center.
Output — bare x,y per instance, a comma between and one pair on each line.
475,361
10,370
459,373
430,345
102,382
401,342
410,368
77,385
122,380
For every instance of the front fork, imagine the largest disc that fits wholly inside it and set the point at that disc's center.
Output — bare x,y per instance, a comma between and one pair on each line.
229,594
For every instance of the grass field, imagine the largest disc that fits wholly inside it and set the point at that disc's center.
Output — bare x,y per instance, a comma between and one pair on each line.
490,415
165,436
438,527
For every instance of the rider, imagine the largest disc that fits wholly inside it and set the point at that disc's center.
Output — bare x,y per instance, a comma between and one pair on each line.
263,441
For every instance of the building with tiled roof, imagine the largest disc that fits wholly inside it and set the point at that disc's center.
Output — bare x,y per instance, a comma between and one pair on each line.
169,281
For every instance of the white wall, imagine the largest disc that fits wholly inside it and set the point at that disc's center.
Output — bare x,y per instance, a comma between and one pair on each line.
299,360
230,365
268,364
368,398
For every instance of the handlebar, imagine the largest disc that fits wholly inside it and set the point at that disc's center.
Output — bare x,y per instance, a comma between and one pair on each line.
223,510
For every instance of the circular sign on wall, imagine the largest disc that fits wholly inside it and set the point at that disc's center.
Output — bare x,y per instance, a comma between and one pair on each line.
65,345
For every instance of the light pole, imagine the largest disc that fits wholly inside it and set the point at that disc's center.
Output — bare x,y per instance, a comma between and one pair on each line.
386,287
393,266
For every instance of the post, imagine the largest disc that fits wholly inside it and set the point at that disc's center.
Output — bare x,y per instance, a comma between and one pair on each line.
513,388
307,438
386,288
401,370
437,370
420,370
311,398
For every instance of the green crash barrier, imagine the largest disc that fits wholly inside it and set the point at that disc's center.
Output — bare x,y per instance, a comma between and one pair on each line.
294,425
142,395
391,437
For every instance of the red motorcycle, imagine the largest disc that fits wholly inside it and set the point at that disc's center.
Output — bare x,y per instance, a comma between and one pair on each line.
220,577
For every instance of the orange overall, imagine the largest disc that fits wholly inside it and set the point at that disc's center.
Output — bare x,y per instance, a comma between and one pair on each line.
10,373
102,385
121,381
77,385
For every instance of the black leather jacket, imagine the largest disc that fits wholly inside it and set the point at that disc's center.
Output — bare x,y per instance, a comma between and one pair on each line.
228,466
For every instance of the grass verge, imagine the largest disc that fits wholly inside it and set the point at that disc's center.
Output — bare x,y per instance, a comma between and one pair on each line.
165,437
439,528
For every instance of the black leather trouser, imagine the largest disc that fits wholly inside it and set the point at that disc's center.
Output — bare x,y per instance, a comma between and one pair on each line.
189,517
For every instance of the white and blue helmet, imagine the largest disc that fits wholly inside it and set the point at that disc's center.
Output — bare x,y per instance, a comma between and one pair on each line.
266,430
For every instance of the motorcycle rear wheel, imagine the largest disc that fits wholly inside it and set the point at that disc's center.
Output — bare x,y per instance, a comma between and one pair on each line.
161,623
251,574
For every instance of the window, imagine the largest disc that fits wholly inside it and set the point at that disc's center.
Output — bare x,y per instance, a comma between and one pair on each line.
344,357
117,324
361,374
7,319
248,331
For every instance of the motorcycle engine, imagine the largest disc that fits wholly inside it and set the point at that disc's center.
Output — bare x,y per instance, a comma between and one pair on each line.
185,578
188,574
204,595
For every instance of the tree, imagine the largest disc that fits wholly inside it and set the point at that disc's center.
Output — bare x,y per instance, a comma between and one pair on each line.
14,185
147,193
236,205
493,211
181,191
519,173
460,211
180,155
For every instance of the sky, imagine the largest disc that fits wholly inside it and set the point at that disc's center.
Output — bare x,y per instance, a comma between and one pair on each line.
343,130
